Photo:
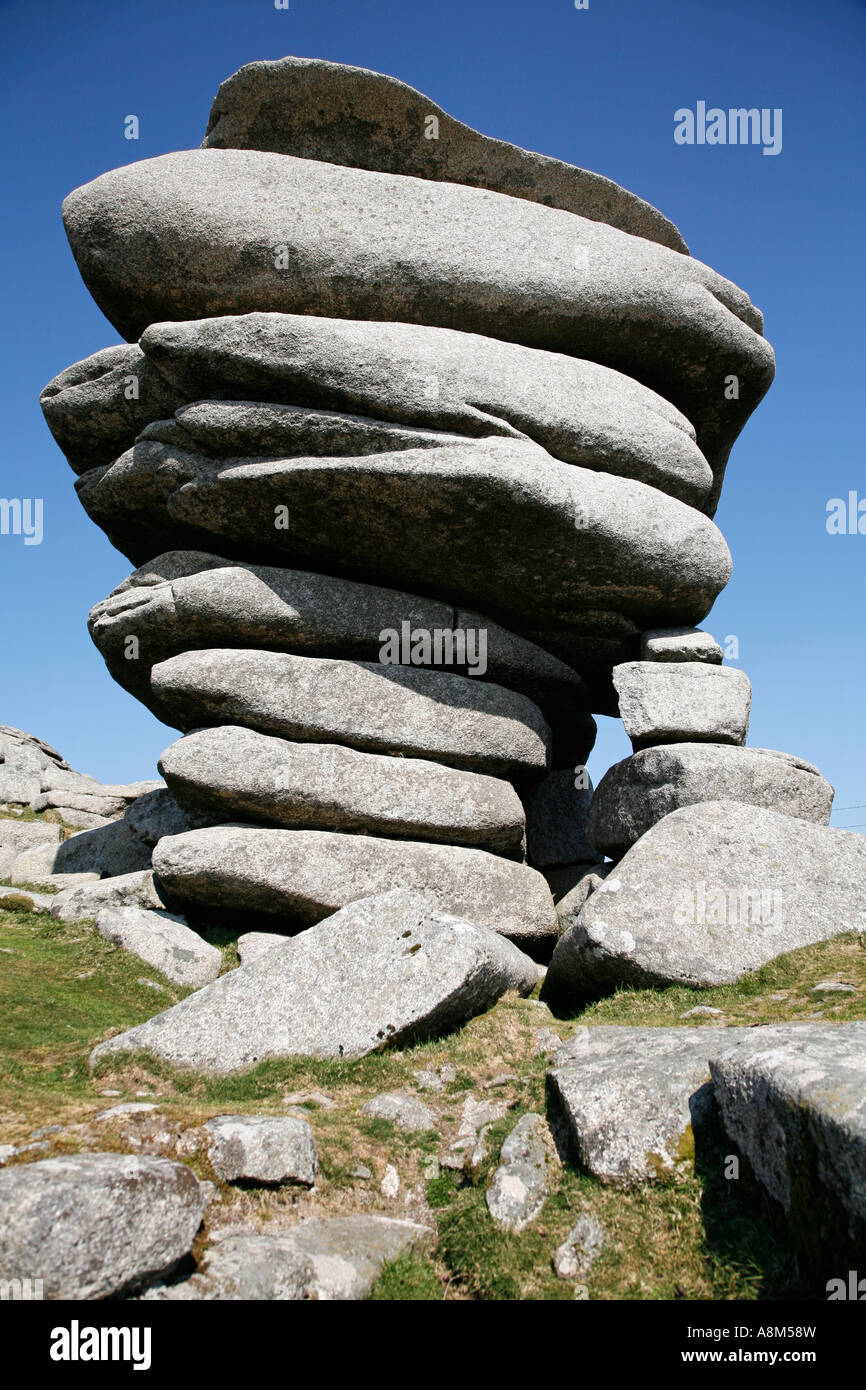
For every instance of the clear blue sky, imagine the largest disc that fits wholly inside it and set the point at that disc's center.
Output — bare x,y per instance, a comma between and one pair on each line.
597,87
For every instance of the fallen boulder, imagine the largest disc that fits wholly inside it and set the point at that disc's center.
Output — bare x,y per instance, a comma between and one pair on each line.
385,971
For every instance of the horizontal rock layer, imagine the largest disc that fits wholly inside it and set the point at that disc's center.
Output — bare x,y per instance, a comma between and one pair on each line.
682,702
397,710
152,243
184,601
253,384
302,876
439,520
253,777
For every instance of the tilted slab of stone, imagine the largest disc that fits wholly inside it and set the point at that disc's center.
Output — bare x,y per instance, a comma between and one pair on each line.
164,941
711,892
627,1099
571,886
342,114
441,519
96,1225
185,600
385,971
680,644
636,793
263,1148
792,1099
303,875
152,243
397,710
682,701
98,406
245,775
412,375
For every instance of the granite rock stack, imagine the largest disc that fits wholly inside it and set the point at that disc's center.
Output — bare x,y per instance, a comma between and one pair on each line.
415,443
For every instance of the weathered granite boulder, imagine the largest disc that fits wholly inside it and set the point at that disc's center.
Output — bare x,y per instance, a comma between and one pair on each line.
96,1225
97,407
680,644
792,1099
521,1183
711,892
441,518
639,791
381,972
333,1258
405,1111
165,941
184,601
18,837
263,1149
626,1101
682,702
411,374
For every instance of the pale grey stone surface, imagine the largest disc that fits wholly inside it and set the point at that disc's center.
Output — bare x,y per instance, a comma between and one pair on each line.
414,251
792,1098
127,890
20,837
97,407
382,971
253,944
682,701
371,707
680,644
263,1148
190,599
349,115
709,893
627,1099
272,368
243,1266
108,851
164,941
639,791
404,1111
581,1248
439,518
520,1184
96,1225
24,761
239,774
300,876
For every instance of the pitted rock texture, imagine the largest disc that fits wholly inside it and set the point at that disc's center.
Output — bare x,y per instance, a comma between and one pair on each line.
383,971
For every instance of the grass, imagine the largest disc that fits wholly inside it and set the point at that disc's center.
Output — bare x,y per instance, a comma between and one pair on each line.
63,988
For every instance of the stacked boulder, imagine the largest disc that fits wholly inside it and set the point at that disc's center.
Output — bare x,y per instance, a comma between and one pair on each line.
415,442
